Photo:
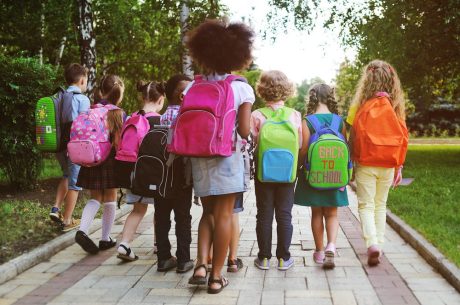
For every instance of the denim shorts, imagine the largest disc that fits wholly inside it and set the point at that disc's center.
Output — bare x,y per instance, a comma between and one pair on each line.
218,175
132,198
69,170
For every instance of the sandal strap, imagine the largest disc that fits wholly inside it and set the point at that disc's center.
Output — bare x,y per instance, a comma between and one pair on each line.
222,281
128,250
200,266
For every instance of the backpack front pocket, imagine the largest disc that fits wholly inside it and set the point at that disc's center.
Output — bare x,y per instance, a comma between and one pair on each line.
277,165
194,134
149,177
82,152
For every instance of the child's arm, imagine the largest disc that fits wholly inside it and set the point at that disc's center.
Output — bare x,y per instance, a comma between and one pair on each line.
244,118
305,139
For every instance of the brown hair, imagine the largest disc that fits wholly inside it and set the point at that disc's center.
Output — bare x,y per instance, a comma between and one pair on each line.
74,72
151,91
380,76
171,88
324,94
111,88
274,86
219,47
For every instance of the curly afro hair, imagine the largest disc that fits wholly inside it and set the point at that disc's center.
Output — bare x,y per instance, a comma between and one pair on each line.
220,47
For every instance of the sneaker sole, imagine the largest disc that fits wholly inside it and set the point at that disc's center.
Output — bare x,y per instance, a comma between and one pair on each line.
329,260
55,218
373,259
261,267
70,229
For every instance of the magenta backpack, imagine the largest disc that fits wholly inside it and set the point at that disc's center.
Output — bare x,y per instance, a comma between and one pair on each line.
206,120
89,143
134,130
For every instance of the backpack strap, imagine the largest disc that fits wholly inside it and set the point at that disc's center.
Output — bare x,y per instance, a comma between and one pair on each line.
231,77
315,123
267,112
335,124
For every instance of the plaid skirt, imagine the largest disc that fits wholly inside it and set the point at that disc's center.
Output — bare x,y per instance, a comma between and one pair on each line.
98,177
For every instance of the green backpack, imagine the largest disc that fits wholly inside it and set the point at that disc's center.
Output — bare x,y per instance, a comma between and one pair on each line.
53,121
278,147
328,164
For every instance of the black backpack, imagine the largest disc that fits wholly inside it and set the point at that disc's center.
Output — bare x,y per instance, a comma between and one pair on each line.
151,176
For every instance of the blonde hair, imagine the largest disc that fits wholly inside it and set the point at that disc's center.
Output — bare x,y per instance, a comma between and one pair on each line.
380,76
274,86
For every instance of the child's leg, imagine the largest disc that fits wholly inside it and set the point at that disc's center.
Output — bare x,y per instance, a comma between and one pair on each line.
384,181
183,220
317,227
132,222
233,249
163,208
205,235
366,181
284,201
61,192
72,195
222,212
108,216
265,201
332,224
90,210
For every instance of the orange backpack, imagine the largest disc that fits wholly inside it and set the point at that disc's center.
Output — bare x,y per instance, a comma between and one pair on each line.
380,137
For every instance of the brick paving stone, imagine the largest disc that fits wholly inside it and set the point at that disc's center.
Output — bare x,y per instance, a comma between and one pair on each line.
72,277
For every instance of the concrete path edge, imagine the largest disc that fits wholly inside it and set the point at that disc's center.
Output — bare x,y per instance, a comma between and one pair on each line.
429,252
14,267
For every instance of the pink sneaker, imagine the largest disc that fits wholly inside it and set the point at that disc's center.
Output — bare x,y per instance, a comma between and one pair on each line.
329,256
318,257
373,255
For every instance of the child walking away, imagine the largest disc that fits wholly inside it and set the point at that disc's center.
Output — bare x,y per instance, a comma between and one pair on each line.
379,141
205,129
276,130
71,103
327,170
179,201
97,174
134,130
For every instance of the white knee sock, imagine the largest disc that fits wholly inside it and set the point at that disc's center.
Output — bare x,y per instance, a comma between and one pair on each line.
89,212
108,217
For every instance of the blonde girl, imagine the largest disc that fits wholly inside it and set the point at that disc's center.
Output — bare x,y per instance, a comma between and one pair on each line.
379,79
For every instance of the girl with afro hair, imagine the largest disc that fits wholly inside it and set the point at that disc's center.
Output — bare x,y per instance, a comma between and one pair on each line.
220,48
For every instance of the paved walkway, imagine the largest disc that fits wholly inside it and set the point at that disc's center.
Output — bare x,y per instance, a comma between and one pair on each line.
72,277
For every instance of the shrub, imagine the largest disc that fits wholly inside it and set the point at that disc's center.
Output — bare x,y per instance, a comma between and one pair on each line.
22,82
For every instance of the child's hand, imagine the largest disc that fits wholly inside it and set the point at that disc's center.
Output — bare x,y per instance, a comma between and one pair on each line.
397,177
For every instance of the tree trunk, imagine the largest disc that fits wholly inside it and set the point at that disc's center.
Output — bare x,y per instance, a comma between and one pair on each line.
42,33
187,68
87,41
61,52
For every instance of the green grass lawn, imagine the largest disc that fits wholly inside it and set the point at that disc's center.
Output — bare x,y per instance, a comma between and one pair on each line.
50,169
431,204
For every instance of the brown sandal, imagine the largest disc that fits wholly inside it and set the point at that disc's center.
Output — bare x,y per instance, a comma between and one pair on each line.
222,281
198,279
234,265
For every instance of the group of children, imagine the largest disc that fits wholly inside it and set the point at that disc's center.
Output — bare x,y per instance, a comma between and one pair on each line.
220,180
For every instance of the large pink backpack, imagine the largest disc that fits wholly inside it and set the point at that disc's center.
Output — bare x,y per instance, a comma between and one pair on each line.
89,143
206,120
134,130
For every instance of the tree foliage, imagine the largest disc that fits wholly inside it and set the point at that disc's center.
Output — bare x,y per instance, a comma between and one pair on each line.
22,82
420,38
135,39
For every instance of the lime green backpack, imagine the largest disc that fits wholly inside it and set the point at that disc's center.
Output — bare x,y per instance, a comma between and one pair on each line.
328,165
278,147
